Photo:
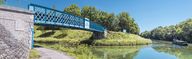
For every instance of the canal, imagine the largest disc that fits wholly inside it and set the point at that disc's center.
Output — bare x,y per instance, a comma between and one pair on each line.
157,50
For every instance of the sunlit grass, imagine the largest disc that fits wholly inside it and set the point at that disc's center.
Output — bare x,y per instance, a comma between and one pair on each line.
79,52
34,54
69,41
74,37
70,37
120,39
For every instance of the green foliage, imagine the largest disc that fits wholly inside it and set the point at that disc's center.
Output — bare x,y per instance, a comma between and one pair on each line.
95,52
109,20
113,23
90,12
180,53
122,39
65,36
2,2
116,52
71,42
73,9
128,23
34,54
180,31
79,52
75,37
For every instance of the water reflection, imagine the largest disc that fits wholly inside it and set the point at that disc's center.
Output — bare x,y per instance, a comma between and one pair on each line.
180,52
155,51
150,53
116,52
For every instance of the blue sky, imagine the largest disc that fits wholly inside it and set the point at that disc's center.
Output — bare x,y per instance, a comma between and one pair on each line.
148,14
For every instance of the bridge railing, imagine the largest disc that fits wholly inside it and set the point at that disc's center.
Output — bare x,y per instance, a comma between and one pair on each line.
48,16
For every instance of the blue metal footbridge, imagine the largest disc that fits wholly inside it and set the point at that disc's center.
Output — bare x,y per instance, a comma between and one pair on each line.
51,17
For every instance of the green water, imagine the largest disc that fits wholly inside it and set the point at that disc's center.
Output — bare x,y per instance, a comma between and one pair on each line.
157,50
154,51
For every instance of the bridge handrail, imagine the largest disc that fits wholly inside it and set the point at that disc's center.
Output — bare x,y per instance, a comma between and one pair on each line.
93,26
53,9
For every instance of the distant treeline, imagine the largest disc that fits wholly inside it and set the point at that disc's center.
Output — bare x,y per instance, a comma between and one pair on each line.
182,31
111,21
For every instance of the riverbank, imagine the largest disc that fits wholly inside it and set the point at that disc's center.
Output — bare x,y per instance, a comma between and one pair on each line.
79,51
77,37
122,39
181,31
90,52
77,43
161,50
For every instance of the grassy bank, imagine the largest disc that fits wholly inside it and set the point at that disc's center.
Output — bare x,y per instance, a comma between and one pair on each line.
34,54
70,41
76,37
121,39
67,37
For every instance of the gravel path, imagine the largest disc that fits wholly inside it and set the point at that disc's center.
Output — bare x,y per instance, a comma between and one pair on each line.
51,54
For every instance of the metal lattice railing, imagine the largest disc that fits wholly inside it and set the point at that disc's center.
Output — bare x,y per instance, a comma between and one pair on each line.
48,16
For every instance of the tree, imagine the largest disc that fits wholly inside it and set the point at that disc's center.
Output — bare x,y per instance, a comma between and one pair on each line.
186,32
181,31
108,20
136,28
102,18
128,23
146,34
123,17
90,12
113,23
73,9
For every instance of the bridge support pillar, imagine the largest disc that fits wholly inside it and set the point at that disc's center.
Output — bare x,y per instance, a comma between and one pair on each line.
99,35
16,26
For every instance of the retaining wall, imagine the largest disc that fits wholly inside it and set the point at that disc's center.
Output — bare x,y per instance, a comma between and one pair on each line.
15,32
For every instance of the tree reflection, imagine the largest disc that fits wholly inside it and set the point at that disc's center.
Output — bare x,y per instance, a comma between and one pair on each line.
116,52
179,51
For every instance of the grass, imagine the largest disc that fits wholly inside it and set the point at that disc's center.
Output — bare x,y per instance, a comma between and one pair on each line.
68,37
79,52
34,54
121,39
70,41
76,37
